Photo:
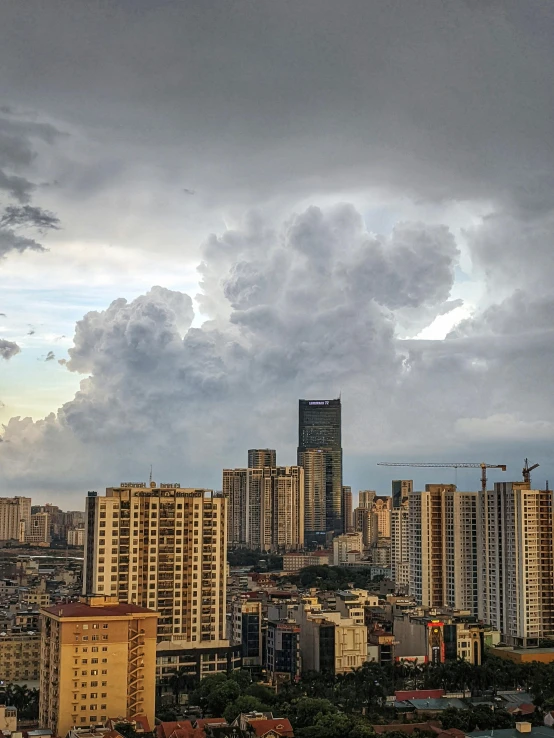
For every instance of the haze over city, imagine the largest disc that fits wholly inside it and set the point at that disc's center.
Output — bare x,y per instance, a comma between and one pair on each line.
211,210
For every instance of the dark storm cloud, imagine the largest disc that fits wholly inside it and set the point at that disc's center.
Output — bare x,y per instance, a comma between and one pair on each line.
8,349
50,356
438,99
29,216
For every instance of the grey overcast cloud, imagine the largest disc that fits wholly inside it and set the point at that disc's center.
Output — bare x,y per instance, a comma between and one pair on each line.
211,209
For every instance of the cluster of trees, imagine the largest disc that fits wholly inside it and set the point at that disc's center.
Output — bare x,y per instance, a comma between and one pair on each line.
334,577
259,561
24,699
327,706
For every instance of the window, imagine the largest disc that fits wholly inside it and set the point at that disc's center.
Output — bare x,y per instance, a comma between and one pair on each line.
105,625
104,684
104,694
104,671
104,637
84,661
94,649
104,661
95,626
94,684
85,626
93,695
84,673
94,661
83,708
94,672
104,648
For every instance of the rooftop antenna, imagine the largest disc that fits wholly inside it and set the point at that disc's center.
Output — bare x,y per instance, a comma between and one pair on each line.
150,480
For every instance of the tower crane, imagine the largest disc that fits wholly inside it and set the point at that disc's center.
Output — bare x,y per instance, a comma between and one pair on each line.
452,465
526,471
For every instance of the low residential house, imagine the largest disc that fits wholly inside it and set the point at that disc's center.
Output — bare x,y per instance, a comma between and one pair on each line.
264,725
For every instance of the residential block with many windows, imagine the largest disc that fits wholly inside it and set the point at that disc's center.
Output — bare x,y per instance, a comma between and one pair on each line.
162,547
98,660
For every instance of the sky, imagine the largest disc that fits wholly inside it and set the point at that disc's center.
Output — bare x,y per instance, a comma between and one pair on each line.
209,210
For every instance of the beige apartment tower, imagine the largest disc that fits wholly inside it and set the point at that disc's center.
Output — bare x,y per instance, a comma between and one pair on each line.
98,660
165,548
347,508
15,516
275,508
515,562
235,491
443,547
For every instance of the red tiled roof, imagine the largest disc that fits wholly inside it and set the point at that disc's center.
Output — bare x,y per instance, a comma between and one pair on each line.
82,610
418,694
164,730
202,722
524,709
281,726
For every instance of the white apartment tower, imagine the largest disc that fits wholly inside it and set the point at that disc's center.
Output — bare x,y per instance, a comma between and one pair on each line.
163,547
515,562
15,517
443,547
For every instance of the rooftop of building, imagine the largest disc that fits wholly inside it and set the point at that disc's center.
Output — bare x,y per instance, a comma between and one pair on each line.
96,607
540,731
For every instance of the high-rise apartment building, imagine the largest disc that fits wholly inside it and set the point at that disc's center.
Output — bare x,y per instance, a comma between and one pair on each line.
400,545
366,498
515,563
443,547
98,660
37,532
235,491
382,509
365,522
319,429
162,547
260,457
313,462
15,515
401,488
275,508
347,508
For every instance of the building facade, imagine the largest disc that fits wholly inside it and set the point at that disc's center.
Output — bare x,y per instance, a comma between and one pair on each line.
345,545
247,617
366,498
319,428
400,545
260,457
401,489
165,548
98,660
329,642
438,638
15,515
235,491
19,656
382,511
347,509
365,522
38,531
515,563
283,662
443,547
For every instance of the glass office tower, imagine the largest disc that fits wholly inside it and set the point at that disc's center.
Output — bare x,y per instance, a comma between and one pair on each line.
319,431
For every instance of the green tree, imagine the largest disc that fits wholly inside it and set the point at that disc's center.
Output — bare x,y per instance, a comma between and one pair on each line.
246,703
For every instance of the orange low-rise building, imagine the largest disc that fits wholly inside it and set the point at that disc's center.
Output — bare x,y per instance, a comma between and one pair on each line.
98,659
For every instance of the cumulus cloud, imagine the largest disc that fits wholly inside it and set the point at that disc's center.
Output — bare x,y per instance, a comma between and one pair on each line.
8,349
312,311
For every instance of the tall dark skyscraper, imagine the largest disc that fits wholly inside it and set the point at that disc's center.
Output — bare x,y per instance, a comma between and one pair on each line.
319,429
